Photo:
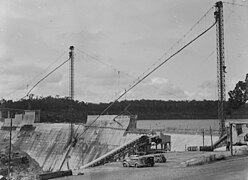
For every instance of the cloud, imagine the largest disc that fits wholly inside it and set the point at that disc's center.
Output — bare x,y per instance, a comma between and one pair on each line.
171,91
158,80
6,61
208,85
17,79
158,88
86,36
206,90
131,35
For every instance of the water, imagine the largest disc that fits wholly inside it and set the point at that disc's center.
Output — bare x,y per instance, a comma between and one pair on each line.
181,124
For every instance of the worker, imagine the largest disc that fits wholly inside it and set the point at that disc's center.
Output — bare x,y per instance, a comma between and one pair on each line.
228,146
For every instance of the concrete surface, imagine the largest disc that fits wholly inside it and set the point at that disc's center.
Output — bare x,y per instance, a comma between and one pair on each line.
217,155
231,169
48,143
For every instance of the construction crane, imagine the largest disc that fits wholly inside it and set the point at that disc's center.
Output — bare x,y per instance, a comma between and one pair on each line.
71,91
72,138
221,68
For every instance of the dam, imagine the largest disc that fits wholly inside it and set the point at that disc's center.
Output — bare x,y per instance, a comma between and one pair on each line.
48,143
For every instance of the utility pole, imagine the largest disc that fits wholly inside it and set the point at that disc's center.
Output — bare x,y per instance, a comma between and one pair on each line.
10,136
211,136
220,66
203,138
72,140
71,56
231,139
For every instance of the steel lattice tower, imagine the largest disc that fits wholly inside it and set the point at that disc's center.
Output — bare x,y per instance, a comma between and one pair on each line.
220,66
71,88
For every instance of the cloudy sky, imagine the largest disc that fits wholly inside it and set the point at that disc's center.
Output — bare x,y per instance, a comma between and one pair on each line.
116,42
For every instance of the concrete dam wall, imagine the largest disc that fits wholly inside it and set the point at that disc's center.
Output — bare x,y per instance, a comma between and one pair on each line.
48,143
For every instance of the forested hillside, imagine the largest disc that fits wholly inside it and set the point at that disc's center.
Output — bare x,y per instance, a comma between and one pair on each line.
56,109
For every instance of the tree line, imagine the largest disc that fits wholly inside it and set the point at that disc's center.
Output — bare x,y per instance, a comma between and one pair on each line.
62,109
58,109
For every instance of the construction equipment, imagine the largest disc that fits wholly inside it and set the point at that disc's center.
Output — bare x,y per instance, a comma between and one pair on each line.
119,152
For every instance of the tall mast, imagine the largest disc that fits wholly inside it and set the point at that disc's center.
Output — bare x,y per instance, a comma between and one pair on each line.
71,88
220,66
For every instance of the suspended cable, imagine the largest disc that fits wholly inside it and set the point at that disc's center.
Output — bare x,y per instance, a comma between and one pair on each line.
236,4
140,80
22,86
117,71
210,54
131,87
47,67
234,13
104,63
184,36
97,59
45,77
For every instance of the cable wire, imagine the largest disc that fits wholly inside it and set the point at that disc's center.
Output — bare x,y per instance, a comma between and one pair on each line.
25,85
140,80
235,4
106,64
177,42
47,67
134,85
45,77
